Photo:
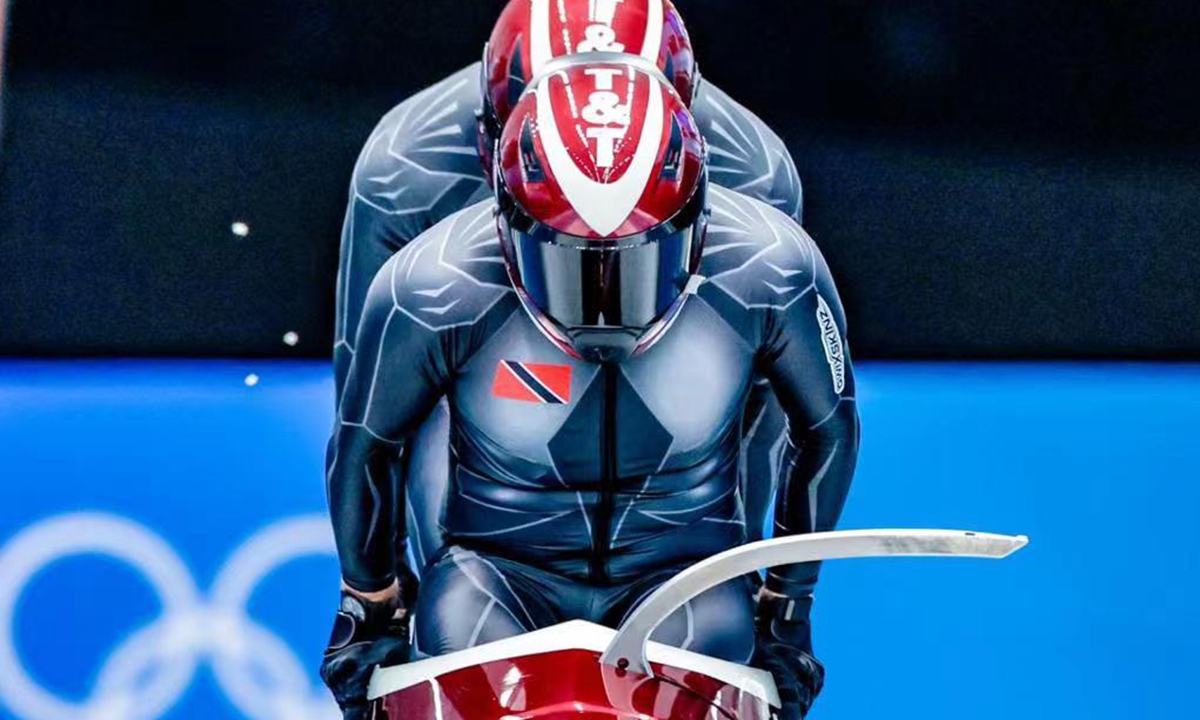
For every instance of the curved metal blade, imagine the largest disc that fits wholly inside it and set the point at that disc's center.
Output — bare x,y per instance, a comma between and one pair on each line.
628,649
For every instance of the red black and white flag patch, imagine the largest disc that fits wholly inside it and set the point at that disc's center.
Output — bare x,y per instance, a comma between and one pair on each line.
533,382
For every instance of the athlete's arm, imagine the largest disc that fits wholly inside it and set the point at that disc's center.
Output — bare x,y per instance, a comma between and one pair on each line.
806,356
745,154
397,375
392,382
765,454
418,166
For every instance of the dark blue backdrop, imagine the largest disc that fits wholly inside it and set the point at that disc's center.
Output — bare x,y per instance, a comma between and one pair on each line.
1015,178
216,486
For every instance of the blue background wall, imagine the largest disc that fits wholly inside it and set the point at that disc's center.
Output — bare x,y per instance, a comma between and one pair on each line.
1096,619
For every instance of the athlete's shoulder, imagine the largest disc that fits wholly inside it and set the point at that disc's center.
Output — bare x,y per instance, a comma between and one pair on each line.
745,154
757,255
422,157
450,276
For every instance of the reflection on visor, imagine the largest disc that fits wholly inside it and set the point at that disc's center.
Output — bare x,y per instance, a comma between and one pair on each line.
611,283
630,286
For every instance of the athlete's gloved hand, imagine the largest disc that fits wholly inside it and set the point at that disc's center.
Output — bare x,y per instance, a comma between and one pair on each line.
784,649
365,634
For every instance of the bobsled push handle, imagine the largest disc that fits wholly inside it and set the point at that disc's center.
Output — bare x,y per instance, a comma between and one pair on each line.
628,649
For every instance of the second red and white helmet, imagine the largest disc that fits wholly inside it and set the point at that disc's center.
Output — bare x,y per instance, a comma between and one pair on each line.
601,185
531,33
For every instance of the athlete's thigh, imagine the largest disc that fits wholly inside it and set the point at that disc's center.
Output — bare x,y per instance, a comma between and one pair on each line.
718,623
468,599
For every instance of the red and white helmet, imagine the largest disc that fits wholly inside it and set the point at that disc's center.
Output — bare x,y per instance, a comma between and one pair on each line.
531,33
601,183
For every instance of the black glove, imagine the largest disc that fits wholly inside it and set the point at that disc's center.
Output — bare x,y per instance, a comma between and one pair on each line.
365,634
783,647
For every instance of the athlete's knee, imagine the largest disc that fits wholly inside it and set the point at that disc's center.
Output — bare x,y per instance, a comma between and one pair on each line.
718,623
465,601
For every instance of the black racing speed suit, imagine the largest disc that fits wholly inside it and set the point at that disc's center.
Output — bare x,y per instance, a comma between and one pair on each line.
420,165
576,488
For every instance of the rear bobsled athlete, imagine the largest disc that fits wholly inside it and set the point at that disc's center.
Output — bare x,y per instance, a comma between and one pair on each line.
596,331
423,162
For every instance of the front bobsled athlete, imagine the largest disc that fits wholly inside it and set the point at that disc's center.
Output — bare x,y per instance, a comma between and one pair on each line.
426,160
596,338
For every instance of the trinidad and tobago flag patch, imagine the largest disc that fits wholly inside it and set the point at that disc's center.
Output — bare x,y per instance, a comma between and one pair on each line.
532,382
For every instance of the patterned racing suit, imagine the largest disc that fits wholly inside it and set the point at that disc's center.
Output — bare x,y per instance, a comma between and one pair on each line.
577,488
421,164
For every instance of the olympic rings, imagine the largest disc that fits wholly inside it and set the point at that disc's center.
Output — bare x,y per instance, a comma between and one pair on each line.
148,673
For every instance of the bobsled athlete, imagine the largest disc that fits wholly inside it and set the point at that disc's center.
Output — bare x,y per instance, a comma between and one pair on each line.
596,331
427,159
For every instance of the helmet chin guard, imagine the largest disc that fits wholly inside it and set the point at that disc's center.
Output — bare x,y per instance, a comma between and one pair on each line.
605,345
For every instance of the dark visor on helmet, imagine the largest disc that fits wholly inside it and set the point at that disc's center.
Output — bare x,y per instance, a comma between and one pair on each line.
627,282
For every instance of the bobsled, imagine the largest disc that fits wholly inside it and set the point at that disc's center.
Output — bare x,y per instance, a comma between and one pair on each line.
583,671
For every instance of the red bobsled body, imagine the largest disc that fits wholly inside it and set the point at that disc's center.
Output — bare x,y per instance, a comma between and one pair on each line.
582,671
556,674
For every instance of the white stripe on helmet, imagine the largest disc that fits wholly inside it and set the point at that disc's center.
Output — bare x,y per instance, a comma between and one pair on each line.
603,206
